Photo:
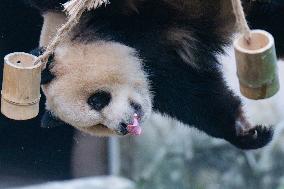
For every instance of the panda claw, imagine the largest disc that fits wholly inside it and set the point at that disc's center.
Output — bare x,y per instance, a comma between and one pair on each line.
256,137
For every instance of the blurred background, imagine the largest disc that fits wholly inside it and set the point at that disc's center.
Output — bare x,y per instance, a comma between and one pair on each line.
181,158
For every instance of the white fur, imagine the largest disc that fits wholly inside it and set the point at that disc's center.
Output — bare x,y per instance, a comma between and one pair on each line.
83,69
51,22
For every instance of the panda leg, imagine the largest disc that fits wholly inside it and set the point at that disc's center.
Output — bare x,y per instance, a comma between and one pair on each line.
246,136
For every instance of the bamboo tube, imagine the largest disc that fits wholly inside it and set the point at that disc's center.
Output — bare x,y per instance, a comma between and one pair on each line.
20,93
257,65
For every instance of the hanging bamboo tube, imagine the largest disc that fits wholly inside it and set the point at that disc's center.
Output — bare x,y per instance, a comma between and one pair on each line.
257,65
20,93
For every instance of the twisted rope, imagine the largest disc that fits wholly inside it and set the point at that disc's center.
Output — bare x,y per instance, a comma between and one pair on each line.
241,19
74,10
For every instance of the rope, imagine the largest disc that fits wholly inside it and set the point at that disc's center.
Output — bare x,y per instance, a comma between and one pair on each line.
241,19
74,9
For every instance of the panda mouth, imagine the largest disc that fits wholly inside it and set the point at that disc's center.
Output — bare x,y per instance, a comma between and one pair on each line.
121,130
133,127
101,126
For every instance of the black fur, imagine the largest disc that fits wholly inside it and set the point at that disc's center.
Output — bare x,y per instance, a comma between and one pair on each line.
258,136
46,75
37,51
45,5
99,100
50,121
185,76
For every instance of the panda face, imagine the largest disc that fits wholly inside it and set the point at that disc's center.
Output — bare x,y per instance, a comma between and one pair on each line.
97,87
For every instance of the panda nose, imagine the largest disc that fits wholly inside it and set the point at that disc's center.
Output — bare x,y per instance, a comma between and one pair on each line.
99,100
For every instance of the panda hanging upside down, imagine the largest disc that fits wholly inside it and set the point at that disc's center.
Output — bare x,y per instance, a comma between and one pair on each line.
133,56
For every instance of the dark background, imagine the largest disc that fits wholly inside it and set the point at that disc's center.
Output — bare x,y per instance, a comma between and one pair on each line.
28,153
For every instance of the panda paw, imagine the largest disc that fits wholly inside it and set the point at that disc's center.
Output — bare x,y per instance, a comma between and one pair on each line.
253,138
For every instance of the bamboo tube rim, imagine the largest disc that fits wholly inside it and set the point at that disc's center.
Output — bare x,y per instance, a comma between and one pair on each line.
255,35
9,59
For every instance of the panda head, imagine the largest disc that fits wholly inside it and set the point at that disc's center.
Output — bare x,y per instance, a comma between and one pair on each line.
96,87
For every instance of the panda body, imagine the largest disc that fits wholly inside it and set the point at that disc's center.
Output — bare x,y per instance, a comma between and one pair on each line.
137,56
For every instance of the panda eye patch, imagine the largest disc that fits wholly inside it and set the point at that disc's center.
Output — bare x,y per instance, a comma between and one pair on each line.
99,100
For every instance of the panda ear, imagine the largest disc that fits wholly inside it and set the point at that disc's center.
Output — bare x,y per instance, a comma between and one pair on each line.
50,121
47,76
37,52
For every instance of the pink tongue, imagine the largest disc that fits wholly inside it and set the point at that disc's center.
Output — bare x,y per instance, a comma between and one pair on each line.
134,129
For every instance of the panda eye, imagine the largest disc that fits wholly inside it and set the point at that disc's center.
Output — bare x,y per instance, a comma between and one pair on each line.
99,100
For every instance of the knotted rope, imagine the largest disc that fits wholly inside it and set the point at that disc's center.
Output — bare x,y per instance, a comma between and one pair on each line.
74,10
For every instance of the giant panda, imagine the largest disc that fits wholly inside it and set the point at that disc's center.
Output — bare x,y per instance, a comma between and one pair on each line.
143,56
